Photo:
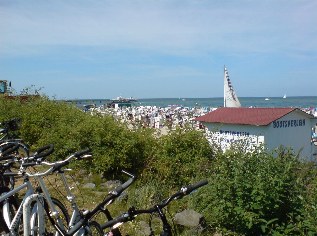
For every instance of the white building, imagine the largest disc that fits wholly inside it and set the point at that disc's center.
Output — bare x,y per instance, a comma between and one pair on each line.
289,127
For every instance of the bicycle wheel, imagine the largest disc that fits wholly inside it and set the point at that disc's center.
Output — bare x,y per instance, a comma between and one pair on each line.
94,229
49,220
9,207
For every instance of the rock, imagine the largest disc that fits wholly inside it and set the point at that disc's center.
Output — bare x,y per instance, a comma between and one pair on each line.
110,184
144,228
89,185
189,218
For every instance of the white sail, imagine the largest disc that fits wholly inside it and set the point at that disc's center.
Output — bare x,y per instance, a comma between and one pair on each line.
230,97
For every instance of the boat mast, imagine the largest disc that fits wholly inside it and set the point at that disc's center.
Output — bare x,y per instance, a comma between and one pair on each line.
224,85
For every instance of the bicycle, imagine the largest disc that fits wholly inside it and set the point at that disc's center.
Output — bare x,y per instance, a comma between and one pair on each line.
13,213
81,223
53,215
7,137
156,209
6,151
5,182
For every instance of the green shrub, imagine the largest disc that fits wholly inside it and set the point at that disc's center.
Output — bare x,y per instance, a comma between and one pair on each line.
253,193
181,156
114,147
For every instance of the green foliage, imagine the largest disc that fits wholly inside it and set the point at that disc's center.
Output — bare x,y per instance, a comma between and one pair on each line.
254,194
249,193
114,147
181,156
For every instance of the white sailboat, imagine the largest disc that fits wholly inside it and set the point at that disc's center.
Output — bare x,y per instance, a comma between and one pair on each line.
230,97
284,96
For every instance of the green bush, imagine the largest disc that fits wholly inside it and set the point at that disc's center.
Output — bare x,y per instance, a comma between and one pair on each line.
181,156
254,194
114,147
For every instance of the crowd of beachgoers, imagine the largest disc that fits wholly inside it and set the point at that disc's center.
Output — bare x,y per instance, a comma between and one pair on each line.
160,118
310,110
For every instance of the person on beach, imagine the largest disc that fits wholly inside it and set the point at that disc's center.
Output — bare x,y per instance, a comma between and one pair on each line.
314,134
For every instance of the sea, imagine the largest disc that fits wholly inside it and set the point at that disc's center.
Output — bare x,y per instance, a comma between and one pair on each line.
304,102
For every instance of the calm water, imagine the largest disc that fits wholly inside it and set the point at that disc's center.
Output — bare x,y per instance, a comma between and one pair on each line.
300,102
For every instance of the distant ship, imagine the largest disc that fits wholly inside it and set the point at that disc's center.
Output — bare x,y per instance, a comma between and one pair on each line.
230,96
121,101
284,96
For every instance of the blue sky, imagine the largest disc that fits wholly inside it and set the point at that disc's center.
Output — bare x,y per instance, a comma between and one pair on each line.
159,48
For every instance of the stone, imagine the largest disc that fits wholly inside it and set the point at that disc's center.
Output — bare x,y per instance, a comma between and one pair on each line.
89,185
189,218
144,228
110,184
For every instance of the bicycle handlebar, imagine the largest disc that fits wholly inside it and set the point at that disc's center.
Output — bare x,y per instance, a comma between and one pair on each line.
114,193
183,192
55,166
44,151
132,212
190,188
82,153
125,217
8,149
125,185
38,156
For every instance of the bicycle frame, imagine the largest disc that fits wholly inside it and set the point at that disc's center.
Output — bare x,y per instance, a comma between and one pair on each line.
12,224
76,215
47,197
